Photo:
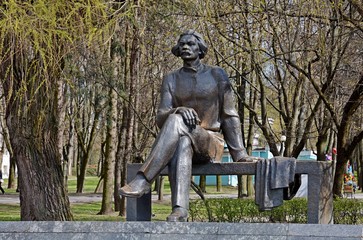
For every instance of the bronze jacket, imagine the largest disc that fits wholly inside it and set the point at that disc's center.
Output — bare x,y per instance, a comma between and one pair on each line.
208,91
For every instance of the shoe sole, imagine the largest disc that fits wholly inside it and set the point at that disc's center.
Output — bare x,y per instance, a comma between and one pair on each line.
133,195
181,219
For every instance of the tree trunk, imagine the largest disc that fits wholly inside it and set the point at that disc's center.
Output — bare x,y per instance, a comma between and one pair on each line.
7,145
345,146
219,183
250,186
84,146
134,74
240,186
160,190
11,180
110,147
121,161
203,183
34,139
360,166
32,116
42,193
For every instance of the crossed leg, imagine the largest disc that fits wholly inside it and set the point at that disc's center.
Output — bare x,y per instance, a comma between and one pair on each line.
174,147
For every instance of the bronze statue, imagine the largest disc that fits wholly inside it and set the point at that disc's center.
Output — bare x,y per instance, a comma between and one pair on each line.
196,116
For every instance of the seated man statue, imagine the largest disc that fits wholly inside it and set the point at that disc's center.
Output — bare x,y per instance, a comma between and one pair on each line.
196,116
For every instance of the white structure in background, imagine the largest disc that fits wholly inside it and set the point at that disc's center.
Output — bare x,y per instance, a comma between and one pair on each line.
5,167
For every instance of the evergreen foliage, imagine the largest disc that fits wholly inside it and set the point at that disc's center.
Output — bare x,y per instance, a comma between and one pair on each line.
346,211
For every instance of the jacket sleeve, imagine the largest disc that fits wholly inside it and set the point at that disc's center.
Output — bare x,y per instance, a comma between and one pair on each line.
166,102
230,121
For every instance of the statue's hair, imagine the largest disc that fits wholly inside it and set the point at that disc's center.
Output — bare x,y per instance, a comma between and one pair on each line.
202,45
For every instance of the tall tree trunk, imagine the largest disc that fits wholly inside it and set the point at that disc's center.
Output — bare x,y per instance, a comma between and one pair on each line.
85,147
42,193
111,136
11,180
110,154
32,115
129,112
6,143
35,146
121,163
360,165
345,146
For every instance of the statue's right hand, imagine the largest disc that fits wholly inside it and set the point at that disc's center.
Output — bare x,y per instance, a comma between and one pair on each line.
189,115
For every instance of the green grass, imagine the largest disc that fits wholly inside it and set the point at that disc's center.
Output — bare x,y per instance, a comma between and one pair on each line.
85,211
89,211
89,186
9,212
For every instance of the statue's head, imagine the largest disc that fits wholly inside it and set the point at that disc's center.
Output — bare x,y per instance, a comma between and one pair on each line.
202,45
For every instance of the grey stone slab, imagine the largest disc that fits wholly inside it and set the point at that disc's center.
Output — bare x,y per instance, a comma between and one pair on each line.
326,230
72,236
183,237
250,237
132,227
185,228
34,227
14,227
76,227
170,231
320,238
261,229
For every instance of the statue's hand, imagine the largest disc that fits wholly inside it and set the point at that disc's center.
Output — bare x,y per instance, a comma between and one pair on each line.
249,159
189,115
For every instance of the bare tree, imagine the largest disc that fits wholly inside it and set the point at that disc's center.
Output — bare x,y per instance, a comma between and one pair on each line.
32,73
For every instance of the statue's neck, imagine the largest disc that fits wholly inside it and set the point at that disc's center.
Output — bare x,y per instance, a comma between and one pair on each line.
194,64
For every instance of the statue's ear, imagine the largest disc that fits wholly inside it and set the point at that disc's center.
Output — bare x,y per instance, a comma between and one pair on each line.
175,50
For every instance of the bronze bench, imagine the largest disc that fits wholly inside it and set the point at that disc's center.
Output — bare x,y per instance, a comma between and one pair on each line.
320,181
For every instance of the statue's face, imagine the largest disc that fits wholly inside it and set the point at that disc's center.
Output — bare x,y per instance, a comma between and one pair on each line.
188,47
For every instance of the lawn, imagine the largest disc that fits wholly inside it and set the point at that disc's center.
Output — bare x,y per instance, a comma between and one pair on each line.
89,211
84,212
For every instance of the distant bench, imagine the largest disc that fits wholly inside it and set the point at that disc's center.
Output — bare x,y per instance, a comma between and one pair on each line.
348,190
320,181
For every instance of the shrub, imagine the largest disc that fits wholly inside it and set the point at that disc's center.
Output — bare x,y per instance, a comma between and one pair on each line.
346,211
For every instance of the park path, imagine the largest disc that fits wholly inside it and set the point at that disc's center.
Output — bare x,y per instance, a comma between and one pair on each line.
97,197
73,198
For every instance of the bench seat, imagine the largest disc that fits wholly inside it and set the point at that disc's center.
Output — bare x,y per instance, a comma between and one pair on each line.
320,182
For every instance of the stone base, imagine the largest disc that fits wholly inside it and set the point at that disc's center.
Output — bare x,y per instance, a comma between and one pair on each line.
170,231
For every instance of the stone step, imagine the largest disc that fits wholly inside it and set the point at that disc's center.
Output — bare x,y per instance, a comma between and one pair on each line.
170,231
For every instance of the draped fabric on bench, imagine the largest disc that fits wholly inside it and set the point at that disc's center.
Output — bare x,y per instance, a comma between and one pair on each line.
275,181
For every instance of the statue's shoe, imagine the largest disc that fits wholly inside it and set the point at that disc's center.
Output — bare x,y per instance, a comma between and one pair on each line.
178,214
136,188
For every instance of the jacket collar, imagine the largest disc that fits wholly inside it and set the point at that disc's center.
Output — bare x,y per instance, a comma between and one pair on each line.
194,68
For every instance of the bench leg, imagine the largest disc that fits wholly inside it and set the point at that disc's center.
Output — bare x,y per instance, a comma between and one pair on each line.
137,209
320,195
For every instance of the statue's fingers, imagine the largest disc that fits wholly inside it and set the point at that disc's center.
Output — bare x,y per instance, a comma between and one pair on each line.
195,117
187,118
193,121
192,117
